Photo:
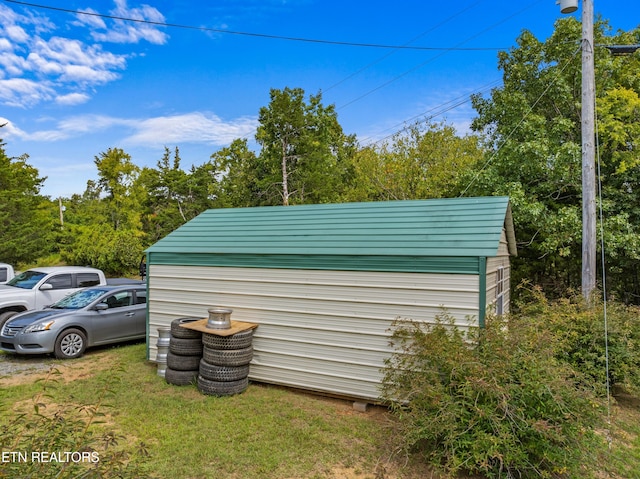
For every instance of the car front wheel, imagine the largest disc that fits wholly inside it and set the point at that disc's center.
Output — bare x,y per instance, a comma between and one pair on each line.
70,344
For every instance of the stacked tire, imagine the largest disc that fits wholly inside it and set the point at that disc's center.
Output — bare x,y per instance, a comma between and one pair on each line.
185,353
224,367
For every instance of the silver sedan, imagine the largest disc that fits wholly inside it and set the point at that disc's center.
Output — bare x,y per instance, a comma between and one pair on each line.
88,317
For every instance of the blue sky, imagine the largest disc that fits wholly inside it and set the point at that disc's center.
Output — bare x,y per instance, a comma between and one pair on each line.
73,86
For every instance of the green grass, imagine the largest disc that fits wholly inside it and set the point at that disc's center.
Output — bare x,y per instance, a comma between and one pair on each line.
265,432
623,457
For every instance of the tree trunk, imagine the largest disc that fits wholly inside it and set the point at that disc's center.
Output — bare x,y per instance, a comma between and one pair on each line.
285,176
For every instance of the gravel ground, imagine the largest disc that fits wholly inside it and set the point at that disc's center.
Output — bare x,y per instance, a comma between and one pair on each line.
11,364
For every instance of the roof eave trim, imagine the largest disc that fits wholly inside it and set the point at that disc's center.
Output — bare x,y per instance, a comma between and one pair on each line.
511,233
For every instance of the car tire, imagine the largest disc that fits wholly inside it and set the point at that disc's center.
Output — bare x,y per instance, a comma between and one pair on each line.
6,316
70,344
183,363
185,346
222,388
223,373
177,331
239,340
180,378
228,357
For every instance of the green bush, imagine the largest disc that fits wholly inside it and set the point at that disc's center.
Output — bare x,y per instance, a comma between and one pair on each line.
578,332
116,252
495,401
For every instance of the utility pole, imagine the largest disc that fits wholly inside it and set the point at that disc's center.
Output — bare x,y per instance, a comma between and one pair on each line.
61,210
588,138
588,145
588,153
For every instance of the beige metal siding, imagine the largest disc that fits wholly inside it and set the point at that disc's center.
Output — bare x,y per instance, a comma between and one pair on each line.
325,331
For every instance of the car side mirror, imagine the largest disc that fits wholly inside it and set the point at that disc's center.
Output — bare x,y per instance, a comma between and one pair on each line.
46,287
101,307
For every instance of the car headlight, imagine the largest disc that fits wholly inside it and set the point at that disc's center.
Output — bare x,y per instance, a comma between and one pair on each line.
42,326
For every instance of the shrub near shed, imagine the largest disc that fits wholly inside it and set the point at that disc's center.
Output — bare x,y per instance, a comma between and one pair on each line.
578,332
495,401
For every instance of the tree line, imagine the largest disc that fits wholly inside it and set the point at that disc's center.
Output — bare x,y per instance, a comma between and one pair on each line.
524,143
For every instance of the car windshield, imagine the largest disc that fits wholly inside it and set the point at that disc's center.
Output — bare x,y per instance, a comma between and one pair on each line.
26,280
79,299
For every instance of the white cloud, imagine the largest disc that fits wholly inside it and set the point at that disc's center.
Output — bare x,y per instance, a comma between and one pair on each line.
53,55
84,73
7,16
133,32
9,129
77,126
72,99
88,123
9,20
34,64
193,127
12,65
16,34
93,21
21,92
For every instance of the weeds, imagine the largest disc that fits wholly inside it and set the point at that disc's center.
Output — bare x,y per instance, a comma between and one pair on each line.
48,440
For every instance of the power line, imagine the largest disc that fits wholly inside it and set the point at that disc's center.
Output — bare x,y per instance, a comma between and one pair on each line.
409,42
250,34
433,112
443,52
507,137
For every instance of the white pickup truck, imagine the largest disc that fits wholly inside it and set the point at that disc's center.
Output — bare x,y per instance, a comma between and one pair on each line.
6,272
39,287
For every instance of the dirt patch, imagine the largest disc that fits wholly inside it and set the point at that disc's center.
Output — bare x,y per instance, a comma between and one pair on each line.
17,370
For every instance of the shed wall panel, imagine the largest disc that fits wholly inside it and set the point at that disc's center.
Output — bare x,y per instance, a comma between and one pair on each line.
326,331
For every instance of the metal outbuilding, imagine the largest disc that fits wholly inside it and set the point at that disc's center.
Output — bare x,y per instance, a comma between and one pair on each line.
325,282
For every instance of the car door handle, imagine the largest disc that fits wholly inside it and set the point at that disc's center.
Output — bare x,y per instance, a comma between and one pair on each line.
128,315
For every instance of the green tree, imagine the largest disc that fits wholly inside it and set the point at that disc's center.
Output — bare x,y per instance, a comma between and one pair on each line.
239,183
531,128
27,225
108,233
304,151
422,161
174,196
117,179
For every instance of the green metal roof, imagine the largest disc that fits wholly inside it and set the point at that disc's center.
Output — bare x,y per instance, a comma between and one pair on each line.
417,230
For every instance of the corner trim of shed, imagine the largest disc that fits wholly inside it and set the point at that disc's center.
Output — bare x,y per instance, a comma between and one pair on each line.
482,300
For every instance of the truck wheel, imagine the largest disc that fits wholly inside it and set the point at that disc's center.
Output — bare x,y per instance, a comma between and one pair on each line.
4,317
70,344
